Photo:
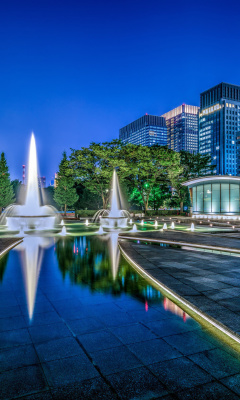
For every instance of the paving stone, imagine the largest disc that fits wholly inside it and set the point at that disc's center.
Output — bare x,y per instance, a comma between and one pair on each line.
49,332
137,383
87,390
169,327
84,325
15,357
233,383
16,337
11,323
217,362
153,351
59,348
100,340
210,391
189,343
69,371
180,373
21,381
133,333
46,395
44,318
115,360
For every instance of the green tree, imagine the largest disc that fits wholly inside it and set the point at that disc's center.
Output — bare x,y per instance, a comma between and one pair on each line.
150,169
16,185
65,194
6,190
93,167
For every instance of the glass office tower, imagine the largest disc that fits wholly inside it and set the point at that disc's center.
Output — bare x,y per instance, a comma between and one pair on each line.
219,122
182,127
147,131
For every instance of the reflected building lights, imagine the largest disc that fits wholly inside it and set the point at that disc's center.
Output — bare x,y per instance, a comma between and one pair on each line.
173,308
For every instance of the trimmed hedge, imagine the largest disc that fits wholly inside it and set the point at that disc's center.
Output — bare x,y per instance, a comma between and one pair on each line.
85,213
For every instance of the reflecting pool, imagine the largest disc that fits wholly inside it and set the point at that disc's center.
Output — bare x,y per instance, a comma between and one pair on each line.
77,321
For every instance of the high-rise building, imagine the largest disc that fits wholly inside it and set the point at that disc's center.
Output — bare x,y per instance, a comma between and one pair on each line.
42,181
219,122
182,128
147,131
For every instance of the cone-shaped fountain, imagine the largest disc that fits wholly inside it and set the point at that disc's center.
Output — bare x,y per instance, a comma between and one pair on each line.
31,215
116,217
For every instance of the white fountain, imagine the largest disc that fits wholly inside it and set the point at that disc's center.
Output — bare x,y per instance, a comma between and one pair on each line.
156,224
63,231
164,225
31,215
86,222
134,229
172,225
115,218
192,227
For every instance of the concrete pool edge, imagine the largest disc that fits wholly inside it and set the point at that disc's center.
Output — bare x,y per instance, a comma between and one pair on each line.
181,243
14,243
222,329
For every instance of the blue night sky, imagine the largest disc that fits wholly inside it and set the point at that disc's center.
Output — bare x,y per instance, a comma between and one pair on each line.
75,72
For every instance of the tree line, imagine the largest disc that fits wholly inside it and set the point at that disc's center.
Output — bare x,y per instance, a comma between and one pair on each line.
150,177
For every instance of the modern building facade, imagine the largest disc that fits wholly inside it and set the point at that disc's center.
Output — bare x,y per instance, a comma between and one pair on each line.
147,131
182,128
219,122
215,195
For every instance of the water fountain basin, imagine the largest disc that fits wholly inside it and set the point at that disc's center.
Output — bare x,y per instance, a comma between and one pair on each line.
39,222
114,222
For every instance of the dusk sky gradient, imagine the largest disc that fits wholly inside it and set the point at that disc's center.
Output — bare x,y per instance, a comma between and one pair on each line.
75,72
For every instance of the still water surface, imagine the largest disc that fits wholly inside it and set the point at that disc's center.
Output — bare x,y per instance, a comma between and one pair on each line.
73,310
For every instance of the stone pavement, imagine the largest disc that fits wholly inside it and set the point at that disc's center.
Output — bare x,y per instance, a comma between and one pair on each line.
219,240
208,281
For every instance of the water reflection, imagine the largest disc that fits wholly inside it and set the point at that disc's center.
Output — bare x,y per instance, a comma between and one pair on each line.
3,264
31,258
170,306
90,262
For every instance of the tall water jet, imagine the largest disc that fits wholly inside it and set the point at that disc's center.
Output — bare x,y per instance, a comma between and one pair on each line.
31,215
192,227
165,226
32,202
86,222
116,217
172,225
156,224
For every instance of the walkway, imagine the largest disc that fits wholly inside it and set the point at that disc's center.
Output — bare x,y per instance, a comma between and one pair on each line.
209,282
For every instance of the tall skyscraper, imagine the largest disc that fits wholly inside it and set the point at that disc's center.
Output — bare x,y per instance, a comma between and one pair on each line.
182,128
42,181
219,122
147,131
